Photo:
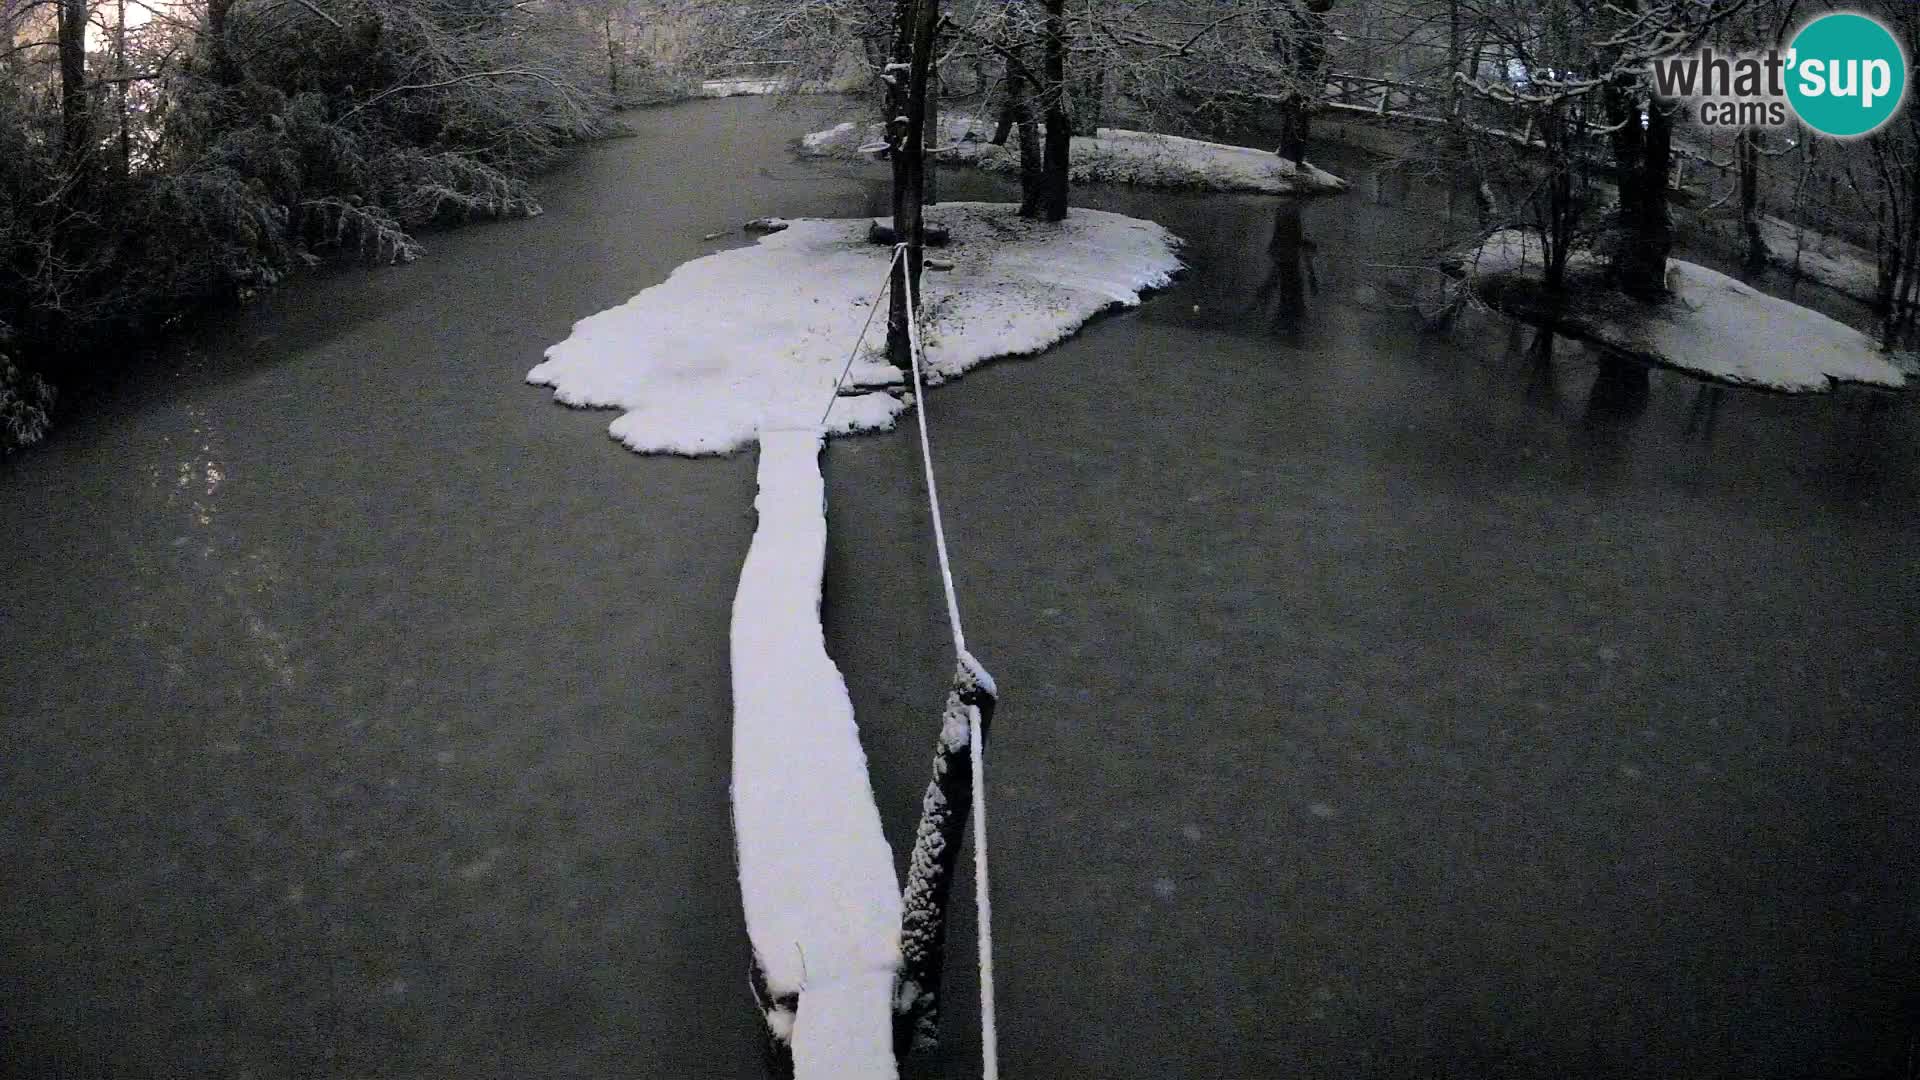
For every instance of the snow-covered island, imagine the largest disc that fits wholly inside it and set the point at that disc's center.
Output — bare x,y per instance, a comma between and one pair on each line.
1114,156
755,337
1710,325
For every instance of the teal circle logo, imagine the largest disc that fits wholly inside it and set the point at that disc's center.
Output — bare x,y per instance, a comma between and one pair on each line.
1846,75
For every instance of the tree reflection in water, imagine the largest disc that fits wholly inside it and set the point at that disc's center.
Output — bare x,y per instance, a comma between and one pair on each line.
1282,296
1620,391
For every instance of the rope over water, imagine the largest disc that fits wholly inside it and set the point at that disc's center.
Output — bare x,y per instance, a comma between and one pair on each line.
983,907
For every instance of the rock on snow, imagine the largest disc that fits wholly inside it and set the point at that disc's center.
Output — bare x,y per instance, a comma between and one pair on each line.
753,338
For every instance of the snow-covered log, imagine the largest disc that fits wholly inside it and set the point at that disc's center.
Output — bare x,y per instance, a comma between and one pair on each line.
816,876
936,851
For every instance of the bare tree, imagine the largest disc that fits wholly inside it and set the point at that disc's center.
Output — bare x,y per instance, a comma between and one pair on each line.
907,78
1574,50
75,110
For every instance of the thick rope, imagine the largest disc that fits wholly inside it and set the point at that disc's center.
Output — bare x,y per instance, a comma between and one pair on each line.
983,907
926,458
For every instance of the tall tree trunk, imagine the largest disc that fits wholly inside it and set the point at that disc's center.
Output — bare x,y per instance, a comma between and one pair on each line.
219,55
1747,146
1453,58
613,60
930,192
120,69
1560,142
1009,109
1054,184
1653,235
1301,42
1642,162
75,109
907,140
1088,90
895,119
1900,287
1293,130
1643,159
1032,160
1562,215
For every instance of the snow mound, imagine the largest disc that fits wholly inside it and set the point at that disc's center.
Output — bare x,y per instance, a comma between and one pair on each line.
1711,325
754,338
816,876
1114,156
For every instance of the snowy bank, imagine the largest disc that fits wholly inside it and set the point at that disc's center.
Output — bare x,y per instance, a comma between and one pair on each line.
1840,266
1114,156
1812,255
720,88
1712,325
816,876
762,86
754,338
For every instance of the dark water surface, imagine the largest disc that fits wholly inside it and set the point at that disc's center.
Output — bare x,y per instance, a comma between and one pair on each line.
1376,703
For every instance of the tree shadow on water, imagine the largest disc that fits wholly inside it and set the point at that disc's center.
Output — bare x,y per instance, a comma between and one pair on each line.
1704,415
1282,297
1621,390
1866,443
1543,383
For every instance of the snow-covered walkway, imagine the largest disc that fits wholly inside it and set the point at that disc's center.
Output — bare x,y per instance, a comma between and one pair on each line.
816,875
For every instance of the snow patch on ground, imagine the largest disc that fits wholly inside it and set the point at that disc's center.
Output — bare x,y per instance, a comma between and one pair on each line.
1832,262
719,88
835,138
1114,156
816,876
1823,259
754,338
1712,326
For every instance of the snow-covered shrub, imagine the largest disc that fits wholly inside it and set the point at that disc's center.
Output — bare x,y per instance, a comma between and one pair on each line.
26,402
304,131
